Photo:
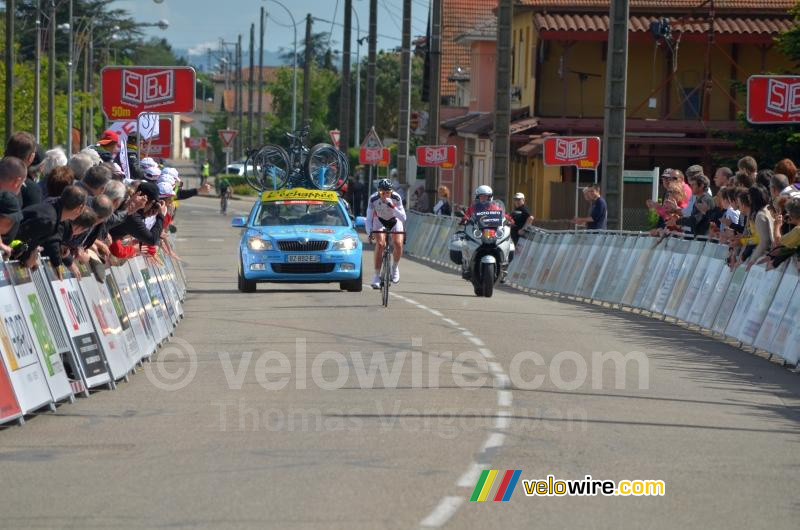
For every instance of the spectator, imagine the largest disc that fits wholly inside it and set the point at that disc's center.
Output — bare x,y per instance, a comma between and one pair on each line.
442,207
80,164
764,177
698,221
58,179
134,224
95,180
598,213
53,158
420,199
676,196
779,184
723,177
789,243
42,224
758,235
108,146
787,167
12,174
729,202
521,215
748,165
742,179
23,146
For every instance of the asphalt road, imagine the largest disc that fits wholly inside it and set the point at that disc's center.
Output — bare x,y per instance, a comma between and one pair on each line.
282,421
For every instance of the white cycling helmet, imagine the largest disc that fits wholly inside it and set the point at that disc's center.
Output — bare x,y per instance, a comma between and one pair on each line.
483,190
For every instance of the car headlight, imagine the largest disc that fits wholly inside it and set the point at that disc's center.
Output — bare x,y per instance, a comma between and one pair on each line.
256,243
348,243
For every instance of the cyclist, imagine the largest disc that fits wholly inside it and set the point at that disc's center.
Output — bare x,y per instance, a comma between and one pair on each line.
225,193
385,213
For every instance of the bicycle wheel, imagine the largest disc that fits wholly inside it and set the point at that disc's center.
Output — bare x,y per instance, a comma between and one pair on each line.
270,168
326,167
386,276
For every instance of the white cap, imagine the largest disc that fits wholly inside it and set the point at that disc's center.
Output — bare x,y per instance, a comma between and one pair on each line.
165,189
519,195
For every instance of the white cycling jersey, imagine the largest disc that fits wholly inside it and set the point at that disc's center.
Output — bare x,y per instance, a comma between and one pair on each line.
386,210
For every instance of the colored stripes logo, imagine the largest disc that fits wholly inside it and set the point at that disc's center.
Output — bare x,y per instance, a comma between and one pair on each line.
504,490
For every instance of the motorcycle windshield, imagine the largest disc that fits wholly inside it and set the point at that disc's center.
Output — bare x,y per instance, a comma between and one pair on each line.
489,219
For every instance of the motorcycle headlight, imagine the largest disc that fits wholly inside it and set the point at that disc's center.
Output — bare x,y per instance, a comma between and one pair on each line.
348,243
256,243
477,233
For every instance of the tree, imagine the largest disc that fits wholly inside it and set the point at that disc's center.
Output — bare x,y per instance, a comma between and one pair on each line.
156,51
322,52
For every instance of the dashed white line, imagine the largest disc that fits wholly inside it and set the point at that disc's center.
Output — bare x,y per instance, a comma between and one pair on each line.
435,312
471,476
476,341
495,440
502,381
486,352
443,511
501,421
504,398
451,322
215,240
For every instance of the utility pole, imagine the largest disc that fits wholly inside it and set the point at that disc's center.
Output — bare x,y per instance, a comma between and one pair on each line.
371,65
37,76
260,131
70,81
405,94
434,94
344,106
307,73
502,116
90,66
51,77
250,82
10,9
614,114
239,97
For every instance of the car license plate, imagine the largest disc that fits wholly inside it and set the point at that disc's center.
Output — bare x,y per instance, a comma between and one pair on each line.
303,258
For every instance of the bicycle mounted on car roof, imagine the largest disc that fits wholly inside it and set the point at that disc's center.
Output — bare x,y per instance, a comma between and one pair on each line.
271,167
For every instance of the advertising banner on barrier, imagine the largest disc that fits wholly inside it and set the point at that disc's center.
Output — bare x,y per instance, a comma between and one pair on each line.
163,310
137,316
169,285
161,290
109,329
777,309
784,341
19,350
75,314
9,406
49,354
115,297
156,317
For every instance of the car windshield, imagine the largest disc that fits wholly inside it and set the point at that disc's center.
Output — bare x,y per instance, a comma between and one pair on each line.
289,213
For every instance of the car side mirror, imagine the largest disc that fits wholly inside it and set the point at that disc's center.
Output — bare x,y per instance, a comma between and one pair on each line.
361,222
239,222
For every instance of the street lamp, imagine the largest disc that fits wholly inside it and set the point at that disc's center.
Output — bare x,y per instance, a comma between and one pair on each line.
294,76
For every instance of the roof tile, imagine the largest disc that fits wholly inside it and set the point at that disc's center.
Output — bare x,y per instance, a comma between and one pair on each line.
756,5
639,23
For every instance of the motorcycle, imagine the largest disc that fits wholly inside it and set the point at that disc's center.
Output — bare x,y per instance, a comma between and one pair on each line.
483,249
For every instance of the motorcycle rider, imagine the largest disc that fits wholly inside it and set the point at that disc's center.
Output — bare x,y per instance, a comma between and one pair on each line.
385,213
484,203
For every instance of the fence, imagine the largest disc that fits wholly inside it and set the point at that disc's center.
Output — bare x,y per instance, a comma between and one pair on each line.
63,337
683,279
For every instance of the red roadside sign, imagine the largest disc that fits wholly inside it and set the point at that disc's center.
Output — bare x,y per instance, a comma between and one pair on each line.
335,136
582,152
159,146
443,156
372,152
128,91
227,136
773,99
196,142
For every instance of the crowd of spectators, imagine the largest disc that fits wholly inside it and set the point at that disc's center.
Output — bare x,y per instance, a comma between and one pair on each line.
755,212
85,208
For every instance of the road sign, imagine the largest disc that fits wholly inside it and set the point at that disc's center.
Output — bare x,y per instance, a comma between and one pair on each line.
129,91
443,156
372,150
773,99
159,146
335,136
581,152
227,136
196,142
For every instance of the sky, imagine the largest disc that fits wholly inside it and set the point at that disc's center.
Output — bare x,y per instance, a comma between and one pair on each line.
198,24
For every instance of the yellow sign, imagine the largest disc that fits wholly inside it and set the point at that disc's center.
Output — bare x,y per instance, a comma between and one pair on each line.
299,194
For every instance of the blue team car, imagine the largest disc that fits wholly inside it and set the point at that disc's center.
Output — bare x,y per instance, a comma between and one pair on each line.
299,235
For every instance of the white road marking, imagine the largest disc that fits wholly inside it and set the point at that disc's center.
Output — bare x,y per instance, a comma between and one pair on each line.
502,381
446,508
486,352
495,440
504,398
476,341
471,476
435,312
451,322
502,421
215,240
495,368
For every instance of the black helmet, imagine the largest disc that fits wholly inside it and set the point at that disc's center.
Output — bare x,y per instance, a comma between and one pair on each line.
385,185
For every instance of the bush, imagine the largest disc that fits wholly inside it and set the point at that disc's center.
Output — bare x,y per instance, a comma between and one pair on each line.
243,189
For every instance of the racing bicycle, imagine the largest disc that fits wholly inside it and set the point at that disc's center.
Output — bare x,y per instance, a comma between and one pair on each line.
386,267
271,167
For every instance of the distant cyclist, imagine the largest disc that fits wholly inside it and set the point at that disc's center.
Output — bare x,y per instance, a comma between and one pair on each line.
385,213
225,193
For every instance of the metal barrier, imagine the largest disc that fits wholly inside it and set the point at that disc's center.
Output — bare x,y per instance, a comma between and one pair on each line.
684,279
62,336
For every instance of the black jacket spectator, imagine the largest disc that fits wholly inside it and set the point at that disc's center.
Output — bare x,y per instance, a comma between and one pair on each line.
134,226
41,226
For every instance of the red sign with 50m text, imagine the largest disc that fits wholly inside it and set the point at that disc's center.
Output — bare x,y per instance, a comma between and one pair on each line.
130,91
581,152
